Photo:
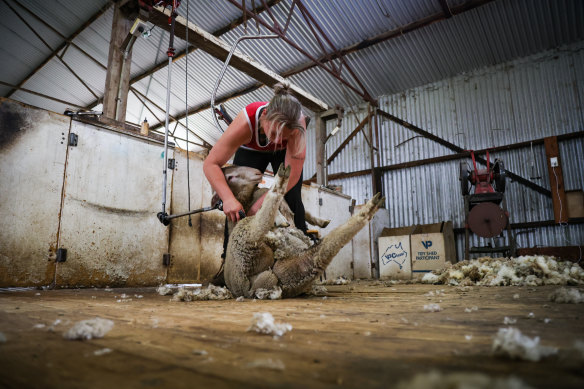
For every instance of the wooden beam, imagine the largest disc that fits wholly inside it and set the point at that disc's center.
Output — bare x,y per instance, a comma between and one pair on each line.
346,141
87,23
183,53
396,33
458,149
330,114
15,87
445,9
118,69
320,140
68,41
375,176
172,118
530,225
554,164
220,50
450,157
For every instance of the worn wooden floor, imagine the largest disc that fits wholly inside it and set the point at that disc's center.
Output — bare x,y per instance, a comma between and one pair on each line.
363,335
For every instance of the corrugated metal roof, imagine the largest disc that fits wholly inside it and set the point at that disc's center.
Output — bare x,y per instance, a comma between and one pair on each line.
478,79
493,33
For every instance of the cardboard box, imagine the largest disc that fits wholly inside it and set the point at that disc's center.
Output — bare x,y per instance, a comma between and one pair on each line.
427,252
395,257
430,246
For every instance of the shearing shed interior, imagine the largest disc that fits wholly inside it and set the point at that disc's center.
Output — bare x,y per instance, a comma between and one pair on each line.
436,160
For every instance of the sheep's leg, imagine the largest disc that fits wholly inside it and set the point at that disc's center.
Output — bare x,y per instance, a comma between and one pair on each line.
340,236
298,272
265,280
263,220
315,221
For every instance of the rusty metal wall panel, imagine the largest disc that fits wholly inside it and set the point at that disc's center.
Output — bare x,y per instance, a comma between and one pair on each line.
185,240
526,99
108,222
32,164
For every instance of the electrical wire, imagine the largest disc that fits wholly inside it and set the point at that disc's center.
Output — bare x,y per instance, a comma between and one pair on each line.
187,111
564,225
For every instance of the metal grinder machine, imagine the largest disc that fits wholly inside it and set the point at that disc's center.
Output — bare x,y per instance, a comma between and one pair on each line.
485,208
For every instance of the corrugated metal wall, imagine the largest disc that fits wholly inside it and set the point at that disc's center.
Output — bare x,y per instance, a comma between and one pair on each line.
518,101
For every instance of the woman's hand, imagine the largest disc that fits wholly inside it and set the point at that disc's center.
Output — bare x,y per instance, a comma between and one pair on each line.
231,209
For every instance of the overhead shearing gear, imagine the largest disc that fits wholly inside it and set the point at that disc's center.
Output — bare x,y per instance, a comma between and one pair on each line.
165,219
222,73
170,53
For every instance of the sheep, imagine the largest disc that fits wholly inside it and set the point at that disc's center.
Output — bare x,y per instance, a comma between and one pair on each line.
262,256
243,182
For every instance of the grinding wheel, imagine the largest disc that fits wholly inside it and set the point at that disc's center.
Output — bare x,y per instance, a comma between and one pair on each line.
487,220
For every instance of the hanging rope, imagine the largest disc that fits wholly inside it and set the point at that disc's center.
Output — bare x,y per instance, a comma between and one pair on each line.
187,116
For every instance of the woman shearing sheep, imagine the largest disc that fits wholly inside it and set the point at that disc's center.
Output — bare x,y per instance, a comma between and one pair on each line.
263,133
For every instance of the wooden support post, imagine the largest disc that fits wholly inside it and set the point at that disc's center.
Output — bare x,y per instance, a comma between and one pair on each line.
321,167
378,172
554,164
118,69
374,177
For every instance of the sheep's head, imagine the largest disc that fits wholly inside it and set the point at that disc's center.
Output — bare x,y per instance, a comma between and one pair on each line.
242,181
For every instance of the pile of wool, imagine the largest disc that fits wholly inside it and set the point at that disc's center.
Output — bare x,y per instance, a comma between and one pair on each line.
164,290
269,363
337,281
519,271
264,323
170,289
89,329
318,290
211,292
436,380
432,308
269,294
510,342
567,296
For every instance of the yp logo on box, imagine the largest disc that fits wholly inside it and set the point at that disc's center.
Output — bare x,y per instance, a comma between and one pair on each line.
427,252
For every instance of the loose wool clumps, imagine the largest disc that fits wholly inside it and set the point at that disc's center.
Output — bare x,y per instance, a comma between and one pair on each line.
520,271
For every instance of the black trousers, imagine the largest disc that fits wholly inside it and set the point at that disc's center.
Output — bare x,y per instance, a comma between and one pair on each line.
260,160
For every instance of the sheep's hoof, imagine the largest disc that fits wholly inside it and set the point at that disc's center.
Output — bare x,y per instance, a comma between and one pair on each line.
373,204
284,172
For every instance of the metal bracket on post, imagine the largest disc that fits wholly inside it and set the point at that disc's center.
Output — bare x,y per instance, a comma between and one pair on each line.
73,138
61,255
166,260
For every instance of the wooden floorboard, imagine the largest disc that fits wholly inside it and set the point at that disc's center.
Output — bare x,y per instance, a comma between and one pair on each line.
364,335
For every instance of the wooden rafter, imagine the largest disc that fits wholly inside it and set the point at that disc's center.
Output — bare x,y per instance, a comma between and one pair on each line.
54,53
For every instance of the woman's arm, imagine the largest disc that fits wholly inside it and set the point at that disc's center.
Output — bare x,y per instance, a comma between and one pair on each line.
236,134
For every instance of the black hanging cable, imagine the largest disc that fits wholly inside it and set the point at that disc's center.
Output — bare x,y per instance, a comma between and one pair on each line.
187,116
